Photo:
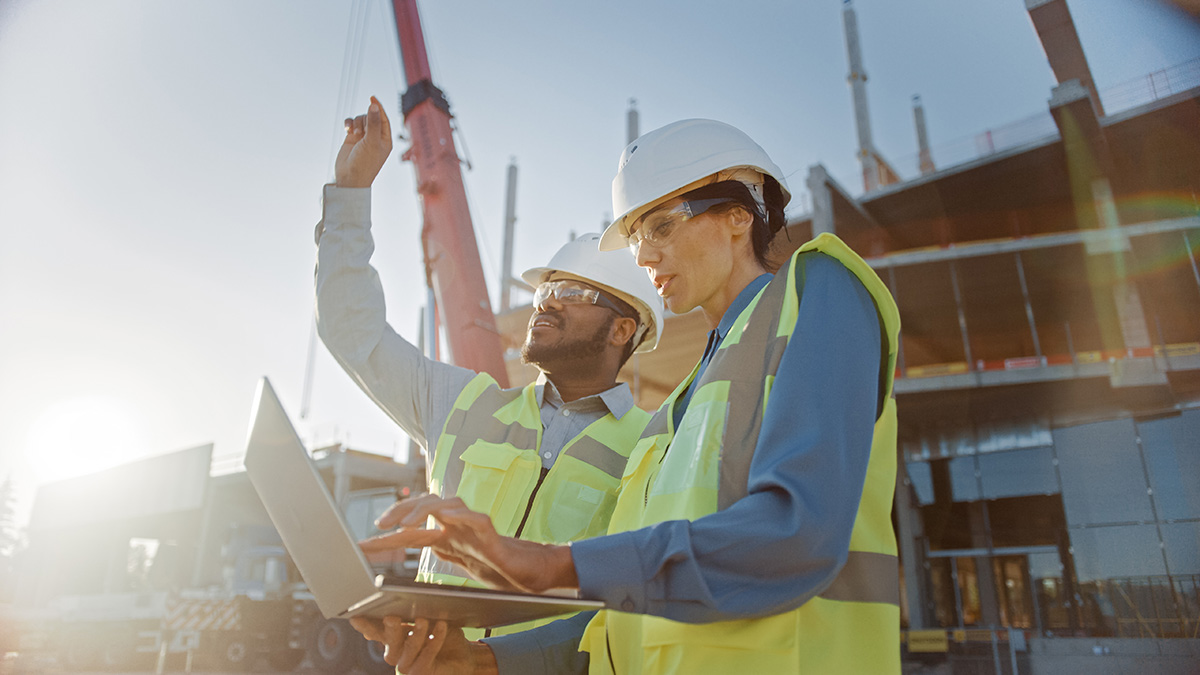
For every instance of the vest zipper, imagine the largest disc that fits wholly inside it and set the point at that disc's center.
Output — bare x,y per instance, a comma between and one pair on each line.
532,496
663,456
608,651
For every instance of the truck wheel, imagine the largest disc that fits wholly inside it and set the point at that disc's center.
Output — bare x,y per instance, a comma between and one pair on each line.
285,660
234,652
331,648
370,658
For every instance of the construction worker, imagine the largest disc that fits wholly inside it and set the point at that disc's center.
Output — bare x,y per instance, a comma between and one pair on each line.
753,530
544,461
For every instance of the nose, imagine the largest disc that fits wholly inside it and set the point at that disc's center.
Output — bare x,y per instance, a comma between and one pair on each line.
646,254
550,303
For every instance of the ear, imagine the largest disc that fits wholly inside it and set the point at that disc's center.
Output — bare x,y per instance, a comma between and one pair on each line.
740,220
622,331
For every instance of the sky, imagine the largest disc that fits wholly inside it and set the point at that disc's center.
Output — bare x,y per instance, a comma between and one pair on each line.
161,167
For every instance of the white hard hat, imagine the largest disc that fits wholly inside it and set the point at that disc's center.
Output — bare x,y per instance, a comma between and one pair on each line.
613,271
666,160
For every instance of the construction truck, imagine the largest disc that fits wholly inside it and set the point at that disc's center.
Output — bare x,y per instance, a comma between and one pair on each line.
169,558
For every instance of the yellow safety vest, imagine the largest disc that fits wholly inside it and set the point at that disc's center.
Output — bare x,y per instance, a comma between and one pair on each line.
853,626
488,455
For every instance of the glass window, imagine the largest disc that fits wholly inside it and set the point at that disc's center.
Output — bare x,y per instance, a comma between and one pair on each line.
1054,606
941,588
968,590
922,481
1011,575
1045,565
1102,476
947,526
1116,551
379,504
1172,448
1036,520
1182,542
358,518
962,479
1018,473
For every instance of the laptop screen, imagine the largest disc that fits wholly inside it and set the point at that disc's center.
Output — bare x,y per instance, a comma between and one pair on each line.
303,511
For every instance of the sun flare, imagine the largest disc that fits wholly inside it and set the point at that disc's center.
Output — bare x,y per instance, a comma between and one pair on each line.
84,434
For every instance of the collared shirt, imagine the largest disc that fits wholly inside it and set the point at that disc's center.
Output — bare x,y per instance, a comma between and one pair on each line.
562,422
716,336
418,393
786,540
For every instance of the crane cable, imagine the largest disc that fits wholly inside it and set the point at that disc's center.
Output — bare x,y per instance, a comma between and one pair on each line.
347,90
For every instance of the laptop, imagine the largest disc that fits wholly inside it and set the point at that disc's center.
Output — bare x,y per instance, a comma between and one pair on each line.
327,554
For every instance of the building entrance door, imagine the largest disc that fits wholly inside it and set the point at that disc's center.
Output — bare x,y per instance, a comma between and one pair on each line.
1022,587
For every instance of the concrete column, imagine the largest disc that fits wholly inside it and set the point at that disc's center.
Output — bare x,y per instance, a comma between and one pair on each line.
1056,30
822,200
980,535
1090,167
909,535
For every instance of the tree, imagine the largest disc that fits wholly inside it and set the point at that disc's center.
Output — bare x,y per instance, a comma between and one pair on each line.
10,532
10,536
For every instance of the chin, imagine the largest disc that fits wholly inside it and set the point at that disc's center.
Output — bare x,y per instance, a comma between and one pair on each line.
678,306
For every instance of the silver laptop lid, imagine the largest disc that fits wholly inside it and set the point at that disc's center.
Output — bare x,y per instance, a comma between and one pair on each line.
304,513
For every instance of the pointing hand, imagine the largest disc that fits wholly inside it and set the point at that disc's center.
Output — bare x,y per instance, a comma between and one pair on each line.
367,146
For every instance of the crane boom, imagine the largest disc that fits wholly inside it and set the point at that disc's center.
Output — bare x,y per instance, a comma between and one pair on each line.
452,263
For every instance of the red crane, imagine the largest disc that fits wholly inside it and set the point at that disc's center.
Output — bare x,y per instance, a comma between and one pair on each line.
452,264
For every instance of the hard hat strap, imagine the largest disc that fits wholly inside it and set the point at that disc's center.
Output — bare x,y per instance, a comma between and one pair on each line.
753,180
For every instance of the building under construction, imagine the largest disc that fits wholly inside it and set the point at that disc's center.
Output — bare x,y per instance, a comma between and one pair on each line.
1048,505
1048,500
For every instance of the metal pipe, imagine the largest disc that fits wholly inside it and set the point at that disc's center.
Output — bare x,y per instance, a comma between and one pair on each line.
1070,342
995,652
510,221
1037,345
925,157
1191,258
631,122
962,317
858,89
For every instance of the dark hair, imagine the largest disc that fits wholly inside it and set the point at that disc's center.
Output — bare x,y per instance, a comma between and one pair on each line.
762,233
624,310
627,311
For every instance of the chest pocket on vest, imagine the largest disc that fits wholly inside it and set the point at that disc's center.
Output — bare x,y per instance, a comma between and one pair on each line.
690,465
492,469
581,499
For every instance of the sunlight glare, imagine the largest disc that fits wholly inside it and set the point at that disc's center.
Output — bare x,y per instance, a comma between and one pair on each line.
82,435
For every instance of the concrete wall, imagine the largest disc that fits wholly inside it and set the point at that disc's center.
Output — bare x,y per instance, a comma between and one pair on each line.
1113,656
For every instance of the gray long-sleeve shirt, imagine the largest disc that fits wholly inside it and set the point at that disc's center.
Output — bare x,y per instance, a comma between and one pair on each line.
786,540
415,391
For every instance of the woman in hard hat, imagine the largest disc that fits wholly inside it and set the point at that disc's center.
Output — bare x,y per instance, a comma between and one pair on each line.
753,530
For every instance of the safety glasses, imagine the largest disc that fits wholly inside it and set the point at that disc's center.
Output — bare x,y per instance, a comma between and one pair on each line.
656,227
572,293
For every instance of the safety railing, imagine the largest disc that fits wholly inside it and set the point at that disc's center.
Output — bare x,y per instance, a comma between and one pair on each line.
999,651
1159,606
1039,127
1026,362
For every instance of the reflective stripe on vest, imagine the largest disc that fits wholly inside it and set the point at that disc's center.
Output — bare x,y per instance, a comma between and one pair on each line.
488,455
851,626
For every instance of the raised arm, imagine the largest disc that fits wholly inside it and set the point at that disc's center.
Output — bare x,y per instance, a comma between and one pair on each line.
414,391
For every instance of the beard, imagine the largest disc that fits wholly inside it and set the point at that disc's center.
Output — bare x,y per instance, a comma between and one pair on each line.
573,347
